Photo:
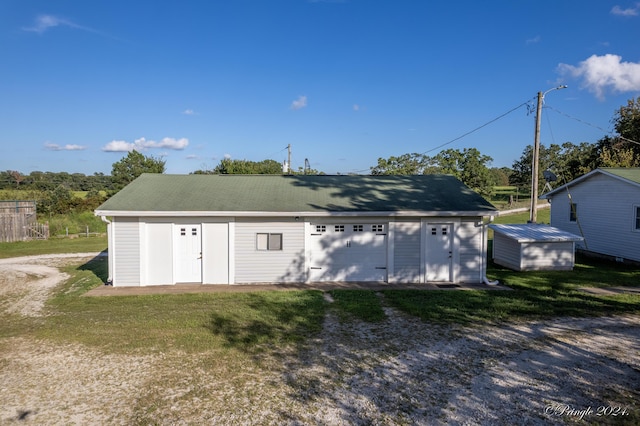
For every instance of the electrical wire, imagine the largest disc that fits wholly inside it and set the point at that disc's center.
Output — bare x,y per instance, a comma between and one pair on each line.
479,127
469,132
608,132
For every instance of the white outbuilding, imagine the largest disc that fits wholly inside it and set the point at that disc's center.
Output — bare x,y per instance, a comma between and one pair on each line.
533,247
239,229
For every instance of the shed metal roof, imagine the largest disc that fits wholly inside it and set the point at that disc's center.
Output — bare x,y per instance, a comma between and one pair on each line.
260,194
531,232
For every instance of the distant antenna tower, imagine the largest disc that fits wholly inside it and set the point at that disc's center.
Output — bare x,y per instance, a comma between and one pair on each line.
307,166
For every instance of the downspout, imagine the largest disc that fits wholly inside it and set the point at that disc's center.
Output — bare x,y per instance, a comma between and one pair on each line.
109,247
486,280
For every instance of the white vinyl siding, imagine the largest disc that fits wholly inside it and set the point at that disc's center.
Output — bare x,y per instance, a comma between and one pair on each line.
269,266
557,256
126,235
472,257
506,251
605,217
406,252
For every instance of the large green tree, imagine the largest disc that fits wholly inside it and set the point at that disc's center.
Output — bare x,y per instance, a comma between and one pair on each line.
468,165
132,166
405,164
228,166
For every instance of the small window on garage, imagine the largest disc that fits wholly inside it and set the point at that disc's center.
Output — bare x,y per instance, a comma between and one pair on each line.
573,212
321,228
637,208
339,228
268,241
358,228
377,228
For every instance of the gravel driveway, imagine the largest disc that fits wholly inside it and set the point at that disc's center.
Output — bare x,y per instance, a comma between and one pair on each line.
400,371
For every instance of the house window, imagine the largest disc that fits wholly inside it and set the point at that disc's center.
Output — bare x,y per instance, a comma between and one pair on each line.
321,228
637,218
358,228
269,241
573,212
377,228
339,228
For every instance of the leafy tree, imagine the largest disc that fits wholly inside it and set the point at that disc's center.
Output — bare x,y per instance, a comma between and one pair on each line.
627,123
500,176
132,166
228,166
58,201
468,165
406,164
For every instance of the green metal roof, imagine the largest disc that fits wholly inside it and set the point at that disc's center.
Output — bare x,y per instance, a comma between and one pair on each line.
273,193
629,173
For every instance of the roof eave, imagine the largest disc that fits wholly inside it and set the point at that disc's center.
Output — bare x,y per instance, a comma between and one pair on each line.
414,213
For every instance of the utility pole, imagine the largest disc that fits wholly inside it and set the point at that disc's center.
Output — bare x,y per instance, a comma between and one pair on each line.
533,211
289,159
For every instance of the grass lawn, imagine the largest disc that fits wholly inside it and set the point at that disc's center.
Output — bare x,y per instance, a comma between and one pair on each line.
248,322
53,245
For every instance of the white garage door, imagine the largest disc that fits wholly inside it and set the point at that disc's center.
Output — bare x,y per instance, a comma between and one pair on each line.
348,252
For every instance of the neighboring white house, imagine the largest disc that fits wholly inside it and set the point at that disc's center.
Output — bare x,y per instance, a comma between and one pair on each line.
603,206
232,229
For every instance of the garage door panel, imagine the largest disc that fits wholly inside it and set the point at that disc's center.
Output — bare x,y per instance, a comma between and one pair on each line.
348,253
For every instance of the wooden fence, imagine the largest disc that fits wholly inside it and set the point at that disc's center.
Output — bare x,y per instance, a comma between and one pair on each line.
18,222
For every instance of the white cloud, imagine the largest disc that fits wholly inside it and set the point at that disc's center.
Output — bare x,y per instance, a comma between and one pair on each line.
69,147
631,11
46,22
189,112
227,156
356,107
43,23
299,103
602,73
534,40
192,157
118,146
142,144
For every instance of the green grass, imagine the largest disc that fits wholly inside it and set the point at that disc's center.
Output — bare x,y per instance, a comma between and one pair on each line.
53,245
248,322
544,216
535,295
361,304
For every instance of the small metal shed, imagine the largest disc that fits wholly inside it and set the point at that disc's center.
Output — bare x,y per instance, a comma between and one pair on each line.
533,247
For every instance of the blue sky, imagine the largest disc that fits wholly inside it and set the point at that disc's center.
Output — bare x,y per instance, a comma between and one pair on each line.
343,81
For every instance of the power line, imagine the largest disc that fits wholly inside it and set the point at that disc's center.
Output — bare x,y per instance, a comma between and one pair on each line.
469,132
479,127
608,132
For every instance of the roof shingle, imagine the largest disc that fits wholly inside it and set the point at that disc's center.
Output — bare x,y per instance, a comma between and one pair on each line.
274,193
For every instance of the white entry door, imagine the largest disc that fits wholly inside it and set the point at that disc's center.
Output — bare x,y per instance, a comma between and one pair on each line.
439,252
187,245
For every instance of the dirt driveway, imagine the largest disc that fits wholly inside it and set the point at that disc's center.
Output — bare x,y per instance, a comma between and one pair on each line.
400,371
